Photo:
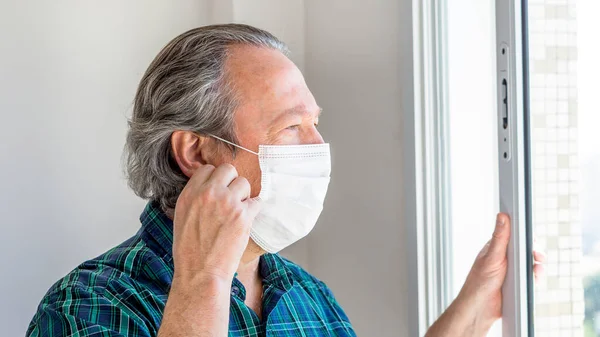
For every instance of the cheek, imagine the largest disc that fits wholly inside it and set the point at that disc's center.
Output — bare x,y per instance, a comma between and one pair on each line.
248,167
255,183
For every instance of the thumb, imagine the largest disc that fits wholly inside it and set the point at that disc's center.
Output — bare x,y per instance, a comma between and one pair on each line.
501,237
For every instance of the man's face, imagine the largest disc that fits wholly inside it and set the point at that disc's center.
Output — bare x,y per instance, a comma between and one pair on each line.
275,107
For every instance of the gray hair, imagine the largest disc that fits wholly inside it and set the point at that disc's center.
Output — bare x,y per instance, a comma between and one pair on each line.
186,87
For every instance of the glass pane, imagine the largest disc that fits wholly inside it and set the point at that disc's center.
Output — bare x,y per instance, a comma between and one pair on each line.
564,75
473,142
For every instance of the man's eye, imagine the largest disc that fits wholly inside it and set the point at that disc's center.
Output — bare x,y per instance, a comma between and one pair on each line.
293,127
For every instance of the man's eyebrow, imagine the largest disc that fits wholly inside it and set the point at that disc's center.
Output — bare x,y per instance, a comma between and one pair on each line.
299,110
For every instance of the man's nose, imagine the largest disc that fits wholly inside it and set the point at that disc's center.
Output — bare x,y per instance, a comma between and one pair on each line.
313,137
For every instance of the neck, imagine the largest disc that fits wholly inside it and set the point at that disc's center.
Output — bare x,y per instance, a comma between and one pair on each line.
248,273
248,267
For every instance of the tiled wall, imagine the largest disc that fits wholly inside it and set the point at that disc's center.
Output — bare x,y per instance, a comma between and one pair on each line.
557,226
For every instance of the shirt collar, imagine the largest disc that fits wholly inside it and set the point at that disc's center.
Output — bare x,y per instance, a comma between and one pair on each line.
274,270
160,227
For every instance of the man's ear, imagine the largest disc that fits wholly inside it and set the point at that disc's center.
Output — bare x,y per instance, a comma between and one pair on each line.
189,151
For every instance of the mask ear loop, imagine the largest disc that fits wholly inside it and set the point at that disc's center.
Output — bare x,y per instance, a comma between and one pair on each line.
233,144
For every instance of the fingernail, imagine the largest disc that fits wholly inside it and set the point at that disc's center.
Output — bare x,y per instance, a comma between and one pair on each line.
499,220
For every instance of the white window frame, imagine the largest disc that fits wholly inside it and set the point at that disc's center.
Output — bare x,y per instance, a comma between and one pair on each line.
429,235
429,239
514,167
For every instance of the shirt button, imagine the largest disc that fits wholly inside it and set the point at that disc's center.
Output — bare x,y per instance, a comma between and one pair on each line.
235,291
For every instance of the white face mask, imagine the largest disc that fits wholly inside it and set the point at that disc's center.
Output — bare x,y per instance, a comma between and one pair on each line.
293,187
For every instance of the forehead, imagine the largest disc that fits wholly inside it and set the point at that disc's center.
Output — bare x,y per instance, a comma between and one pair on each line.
266,82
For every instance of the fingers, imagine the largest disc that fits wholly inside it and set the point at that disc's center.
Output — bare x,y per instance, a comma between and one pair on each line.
501,237
538,272
202,174
224,174
539,257
240,188
538,267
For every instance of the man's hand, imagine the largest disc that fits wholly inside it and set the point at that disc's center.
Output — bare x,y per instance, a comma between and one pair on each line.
479,303
212,222
211,229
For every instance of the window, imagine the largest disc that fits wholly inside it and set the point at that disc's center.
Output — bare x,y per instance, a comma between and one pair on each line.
457,191
564,151
565,158
473,144
555,151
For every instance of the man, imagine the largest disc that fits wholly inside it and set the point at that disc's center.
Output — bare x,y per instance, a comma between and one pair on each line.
223,141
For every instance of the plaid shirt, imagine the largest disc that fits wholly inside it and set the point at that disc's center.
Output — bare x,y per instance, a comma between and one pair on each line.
124,291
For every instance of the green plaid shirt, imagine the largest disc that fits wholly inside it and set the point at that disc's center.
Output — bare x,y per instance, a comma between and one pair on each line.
124,291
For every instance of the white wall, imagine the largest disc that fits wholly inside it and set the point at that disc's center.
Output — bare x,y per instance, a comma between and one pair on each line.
68,75
359,67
